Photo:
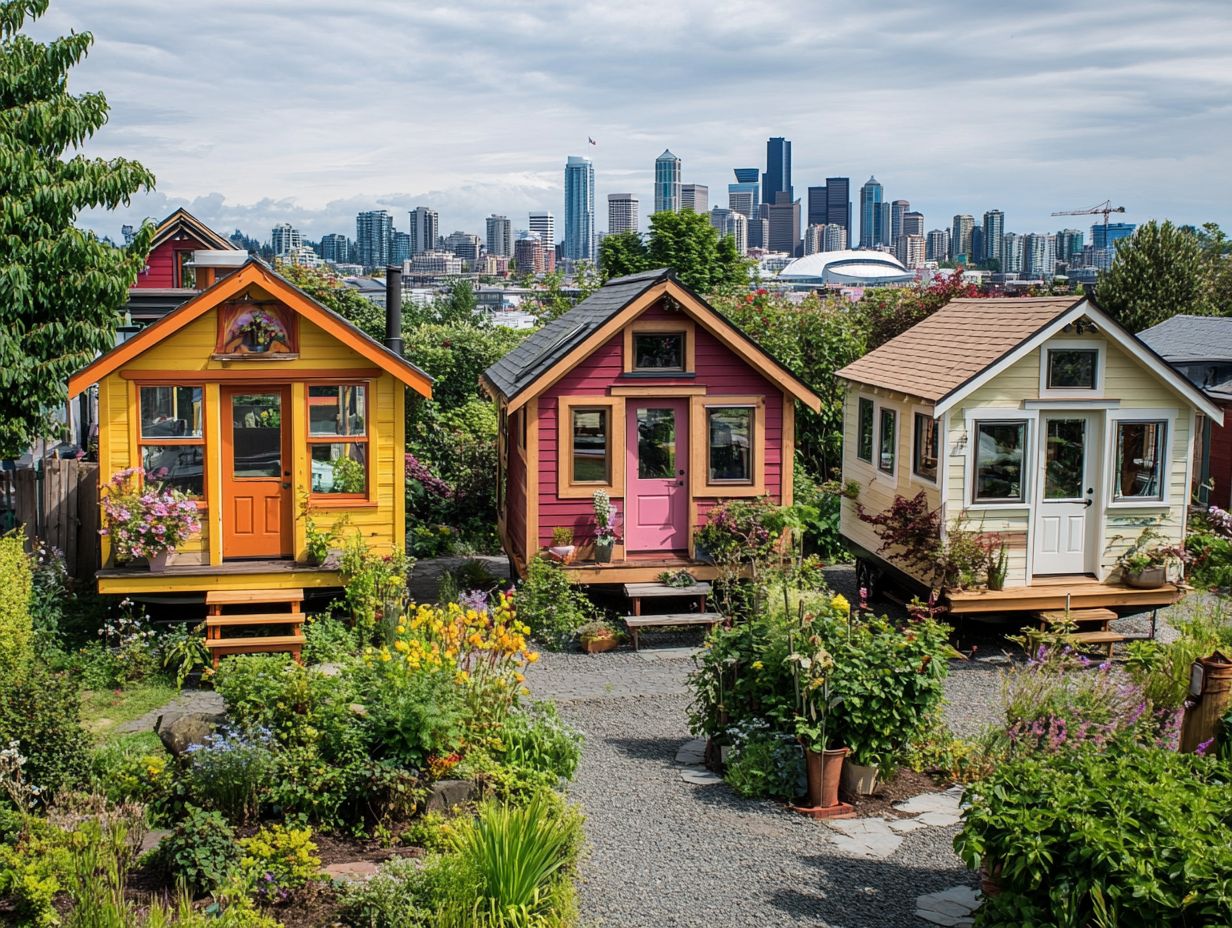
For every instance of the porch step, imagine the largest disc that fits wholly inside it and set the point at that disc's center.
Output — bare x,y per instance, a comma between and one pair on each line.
1077,616
649,590
273,618
253,645
234,597
636,623
1098,638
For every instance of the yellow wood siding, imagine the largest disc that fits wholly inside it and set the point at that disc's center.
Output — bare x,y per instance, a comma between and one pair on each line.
381,522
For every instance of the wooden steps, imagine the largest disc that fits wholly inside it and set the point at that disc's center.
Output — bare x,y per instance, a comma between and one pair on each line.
1100,635
636,623
260,601
1098,638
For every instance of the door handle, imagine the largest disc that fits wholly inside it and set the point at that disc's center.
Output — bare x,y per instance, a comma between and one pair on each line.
1088,503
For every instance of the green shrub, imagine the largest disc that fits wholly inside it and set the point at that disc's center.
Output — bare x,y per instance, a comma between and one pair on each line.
417,716
127,771
764,764
16,626
277,859
552,606
41,712
50,596
33,870
230,772
406,894
200,851
538,740
373,585
328,640
1146,829
1162,670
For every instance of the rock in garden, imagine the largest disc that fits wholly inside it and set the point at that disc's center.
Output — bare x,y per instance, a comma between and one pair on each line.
180,733
446,794
952,906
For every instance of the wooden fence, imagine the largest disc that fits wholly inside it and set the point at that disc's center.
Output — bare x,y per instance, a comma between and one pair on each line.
56,501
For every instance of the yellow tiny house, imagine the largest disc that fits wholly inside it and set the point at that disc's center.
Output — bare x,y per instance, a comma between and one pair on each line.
251,397
1040,421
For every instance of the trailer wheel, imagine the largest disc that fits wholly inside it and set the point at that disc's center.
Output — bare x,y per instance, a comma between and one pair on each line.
868,578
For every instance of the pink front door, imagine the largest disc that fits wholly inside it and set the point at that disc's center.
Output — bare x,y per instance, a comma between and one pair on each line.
657,495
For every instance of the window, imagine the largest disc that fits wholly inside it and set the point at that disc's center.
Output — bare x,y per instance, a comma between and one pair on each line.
924,453
338,439
887,439
591,459
1140,458
658,351
170,440
730,443
999,453
864,431
1072,368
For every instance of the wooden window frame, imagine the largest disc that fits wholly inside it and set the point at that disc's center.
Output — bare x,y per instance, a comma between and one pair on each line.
141,441
700,484
566,486
917,415
328,499
863,402
684,327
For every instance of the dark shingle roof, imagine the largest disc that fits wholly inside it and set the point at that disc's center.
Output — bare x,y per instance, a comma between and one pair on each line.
521,367
1183,339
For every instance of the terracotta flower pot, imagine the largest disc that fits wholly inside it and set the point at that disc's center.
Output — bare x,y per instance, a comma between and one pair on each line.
825,771
161,561
599,644
990,879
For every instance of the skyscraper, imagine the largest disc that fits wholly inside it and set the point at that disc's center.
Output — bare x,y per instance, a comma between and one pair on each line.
544,223
960,237
465,245
284,239
870,213
1039,255
1115,232
898,209
425,229
335,248
883,226
621,213
777,178
784,218
400,249
937,245
737,226
816,213
814,239
913,223
743,196
695,197
977,244
994,232
838,203
579,209
667,183
528,253
1069,243
911,250
1011,253
374,233
759,233
834,237
500,236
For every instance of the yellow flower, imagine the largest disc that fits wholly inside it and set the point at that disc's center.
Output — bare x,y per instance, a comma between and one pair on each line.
384,655
757,665
839,604
462,676
532,657
400,645
521,678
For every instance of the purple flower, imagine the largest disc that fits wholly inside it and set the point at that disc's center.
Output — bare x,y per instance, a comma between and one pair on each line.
1205,746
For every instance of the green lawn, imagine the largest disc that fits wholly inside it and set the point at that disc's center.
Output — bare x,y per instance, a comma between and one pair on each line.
103,711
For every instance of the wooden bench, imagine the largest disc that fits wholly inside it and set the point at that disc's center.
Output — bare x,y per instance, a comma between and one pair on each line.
216,621
1099,618
636,592
636,623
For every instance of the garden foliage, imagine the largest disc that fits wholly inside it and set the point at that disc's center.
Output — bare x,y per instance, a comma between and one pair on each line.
16,594
551,605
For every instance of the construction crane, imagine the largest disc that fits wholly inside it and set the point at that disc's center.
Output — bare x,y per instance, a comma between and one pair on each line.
1101,209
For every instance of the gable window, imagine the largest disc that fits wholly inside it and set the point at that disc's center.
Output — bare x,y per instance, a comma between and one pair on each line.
658,351
729,431
887,439
924,451
1073,368
591,458
338,439
170,442
999,453
864,430
1141,453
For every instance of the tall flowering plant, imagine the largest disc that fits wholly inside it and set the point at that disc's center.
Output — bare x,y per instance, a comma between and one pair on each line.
143,521
605,517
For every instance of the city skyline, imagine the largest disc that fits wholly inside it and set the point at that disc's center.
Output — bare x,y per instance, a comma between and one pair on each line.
1056,111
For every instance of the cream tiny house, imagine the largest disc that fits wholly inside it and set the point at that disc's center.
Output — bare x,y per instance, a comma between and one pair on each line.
1041,420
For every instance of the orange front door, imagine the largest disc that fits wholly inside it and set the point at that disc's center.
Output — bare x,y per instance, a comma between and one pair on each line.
256,472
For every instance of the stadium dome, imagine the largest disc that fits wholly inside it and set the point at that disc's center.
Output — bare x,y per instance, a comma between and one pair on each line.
845,269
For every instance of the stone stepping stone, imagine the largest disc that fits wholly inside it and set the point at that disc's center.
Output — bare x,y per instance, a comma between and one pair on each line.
666,654
939,819
904,826
871,838
951,907
692,753
946,803
352,871
700,776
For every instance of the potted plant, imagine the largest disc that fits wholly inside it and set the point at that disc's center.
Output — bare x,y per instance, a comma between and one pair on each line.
316,541
562,548
823,764
598,636
998,567
142,521
258,332
1144,564
605,527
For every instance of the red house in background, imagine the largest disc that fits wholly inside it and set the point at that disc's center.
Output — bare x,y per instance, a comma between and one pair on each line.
170,263
645,391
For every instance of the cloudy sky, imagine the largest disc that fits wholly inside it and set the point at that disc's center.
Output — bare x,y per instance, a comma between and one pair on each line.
252,112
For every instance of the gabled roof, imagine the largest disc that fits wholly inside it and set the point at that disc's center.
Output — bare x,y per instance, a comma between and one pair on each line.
255,272
967,342
547,355
1190,339
184,221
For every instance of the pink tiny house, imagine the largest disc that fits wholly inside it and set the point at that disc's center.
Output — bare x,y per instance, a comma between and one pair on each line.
646,392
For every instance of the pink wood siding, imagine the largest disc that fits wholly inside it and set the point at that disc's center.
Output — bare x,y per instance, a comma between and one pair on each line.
719,369
515,505
160,266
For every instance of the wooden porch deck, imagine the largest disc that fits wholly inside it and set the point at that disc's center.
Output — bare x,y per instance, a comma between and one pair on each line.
275,574
1084,592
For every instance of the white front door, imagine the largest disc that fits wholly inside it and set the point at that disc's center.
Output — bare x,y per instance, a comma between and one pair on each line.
1064,516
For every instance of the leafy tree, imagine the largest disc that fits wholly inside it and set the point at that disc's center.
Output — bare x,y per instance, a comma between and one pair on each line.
552,300
621,254
1217,254
328,289
686,242
1155,275
61,288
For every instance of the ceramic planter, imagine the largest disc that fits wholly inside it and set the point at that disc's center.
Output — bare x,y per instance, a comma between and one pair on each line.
990,879
161,561
603,550
825,771
599,644
1148,579
859,780
563,553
